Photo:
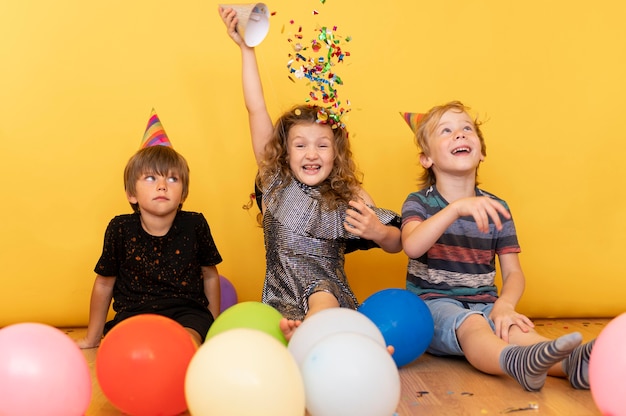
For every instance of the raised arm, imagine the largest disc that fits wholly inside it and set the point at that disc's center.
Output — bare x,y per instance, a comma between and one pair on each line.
259,120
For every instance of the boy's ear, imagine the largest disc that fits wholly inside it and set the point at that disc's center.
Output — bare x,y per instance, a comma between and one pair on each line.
425,161
132,199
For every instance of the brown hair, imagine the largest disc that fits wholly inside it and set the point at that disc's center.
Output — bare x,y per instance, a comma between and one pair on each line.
161,160
342,184
426,126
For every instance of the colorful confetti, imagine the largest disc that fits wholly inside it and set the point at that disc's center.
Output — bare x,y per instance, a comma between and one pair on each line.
315,61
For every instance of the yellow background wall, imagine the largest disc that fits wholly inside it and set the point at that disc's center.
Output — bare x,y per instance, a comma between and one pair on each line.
78,80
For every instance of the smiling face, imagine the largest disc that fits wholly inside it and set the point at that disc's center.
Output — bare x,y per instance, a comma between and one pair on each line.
311,152
454,146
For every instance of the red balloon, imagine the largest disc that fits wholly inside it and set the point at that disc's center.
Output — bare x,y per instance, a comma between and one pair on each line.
141,365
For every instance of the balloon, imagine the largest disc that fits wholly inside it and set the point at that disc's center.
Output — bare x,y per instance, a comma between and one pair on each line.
141,365
327,322
350,374
228,294
607,368
243,372
42,372
404,320
253,315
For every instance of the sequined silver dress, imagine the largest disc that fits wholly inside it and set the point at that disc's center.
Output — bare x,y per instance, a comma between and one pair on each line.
305,248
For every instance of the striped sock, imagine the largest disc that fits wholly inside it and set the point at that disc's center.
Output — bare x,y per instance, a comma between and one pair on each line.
576,366
529,364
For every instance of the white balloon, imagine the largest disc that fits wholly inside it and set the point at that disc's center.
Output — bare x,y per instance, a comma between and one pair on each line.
243,372
349,374
328,322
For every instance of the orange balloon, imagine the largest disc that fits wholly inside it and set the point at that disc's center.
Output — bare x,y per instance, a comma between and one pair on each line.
141,365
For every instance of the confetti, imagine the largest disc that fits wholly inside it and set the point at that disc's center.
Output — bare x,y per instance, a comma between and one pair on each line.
316,62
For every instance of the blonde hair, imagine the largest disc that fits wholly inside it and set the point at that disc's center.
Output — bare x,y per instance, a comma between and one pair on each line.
426,127
343,182
160,160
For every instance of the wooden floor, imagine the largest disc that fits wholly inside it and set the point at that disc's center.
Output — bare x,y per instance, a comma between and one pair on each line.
449,386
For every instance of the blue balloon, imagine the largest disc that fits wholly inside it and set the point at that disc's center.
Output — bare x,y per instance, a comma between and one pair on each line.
403,319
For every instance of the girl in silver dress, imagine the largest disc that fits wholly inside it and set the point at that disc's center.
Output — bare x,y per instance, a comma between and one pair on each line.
314,209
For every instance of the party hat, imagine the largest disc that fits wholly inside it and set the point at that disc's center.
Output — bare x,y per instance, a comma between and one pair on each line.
412,119
155,134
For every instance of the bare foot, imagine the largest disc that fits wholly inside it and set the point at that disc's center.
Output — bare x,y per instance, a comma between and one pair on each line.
288,327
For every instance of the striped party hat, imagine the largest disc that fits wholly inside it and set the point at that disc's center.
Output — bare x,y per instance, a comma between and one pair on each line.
155,134
412,119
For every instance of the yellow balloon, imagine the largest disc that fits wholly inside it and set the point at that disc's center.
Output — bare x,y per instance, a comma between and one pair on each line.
243,372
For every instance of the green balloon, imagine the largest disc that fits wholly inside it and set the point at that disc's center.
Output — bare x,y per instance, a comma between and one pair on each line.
251,315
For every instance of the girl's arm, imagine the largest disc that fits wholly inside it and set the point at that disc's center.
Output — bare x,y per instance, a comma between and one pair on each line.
362,221
212,289
101,296
259,120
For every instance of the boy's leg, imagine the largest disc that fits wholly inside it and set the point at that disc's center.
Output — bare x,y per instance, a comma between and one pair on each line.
480,344
576,366
529,364
195,336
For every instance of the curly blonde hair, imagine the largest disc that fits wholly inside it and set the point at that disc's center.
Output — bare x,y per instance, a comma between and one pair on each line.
426,126
343,182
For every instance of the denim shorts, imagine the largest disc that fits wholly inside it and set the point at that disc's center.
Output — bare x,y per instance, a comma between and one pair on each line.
448,315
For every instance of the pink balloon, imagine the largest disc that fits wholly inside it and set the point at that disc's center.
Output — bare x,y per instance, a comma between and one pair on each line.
607,368
42,372
228,294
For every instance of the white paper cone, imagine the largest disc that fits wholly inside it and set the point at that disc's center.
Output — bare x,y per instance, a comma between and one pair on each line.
253,21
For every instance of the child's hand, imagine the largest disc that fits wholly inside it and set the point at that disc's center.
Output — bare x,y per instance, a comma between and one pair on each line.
84,343
482,208
229,17
504,317
362,221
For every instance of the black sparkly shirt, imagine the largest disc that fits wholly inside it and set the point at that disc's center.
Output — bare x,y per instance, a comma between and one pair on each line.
155,271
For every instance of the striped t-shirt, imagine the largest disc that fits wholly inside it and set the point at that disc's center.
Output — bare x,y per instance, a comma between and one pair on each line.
461,264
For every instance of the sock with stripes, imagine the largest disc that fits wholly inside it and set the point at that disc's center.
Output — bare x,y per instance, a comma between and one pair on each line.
529,364
576,366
